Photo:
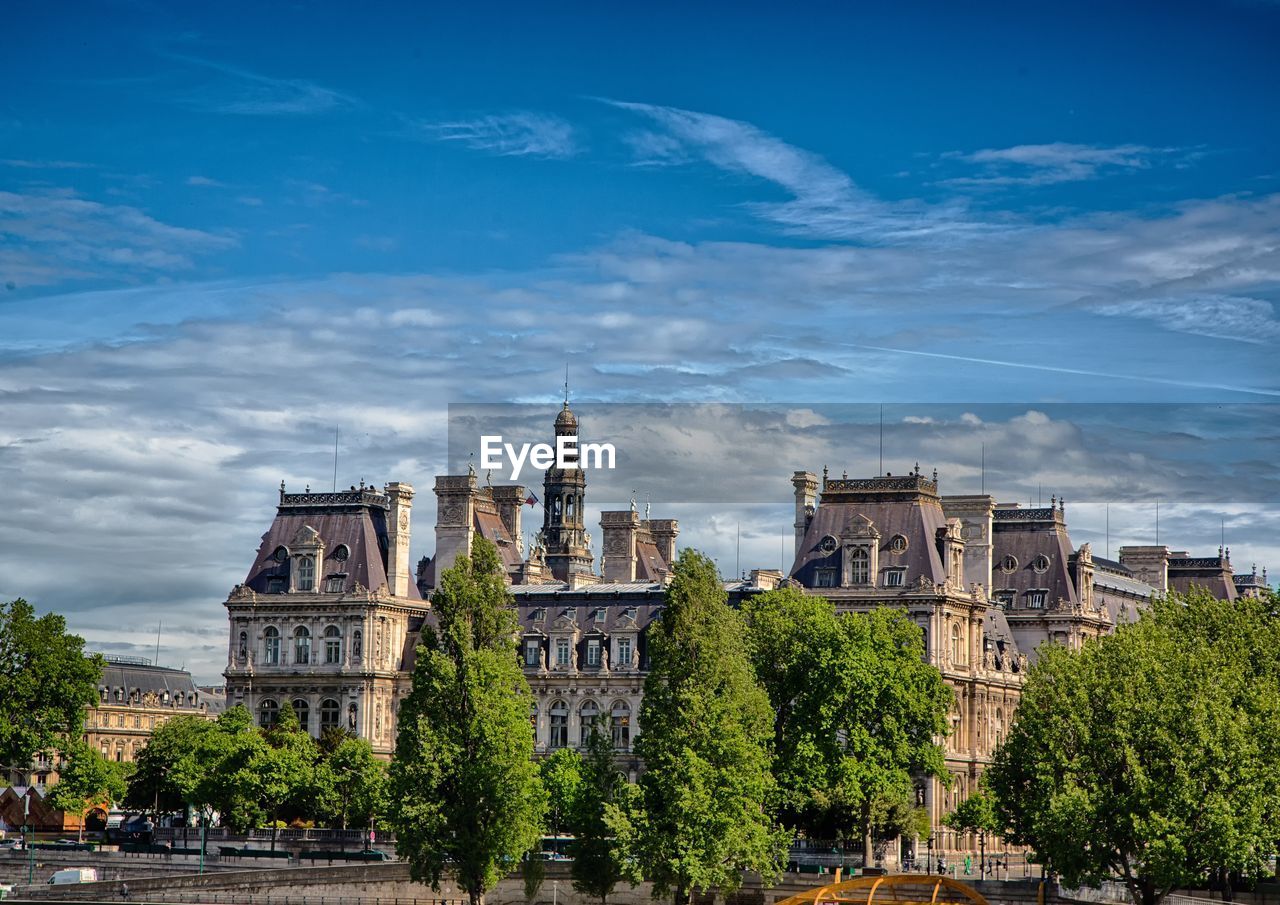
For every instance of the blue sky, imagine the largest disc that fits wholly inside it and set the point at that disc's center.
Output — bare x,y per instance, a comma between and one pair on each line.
226,228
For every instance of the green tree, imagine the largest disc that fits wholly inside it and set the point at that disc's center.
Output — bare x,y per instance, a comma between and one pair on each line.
465,789
562,780
706,727
167,759
976,814
87,780
1152,754
857,713
46,682
351,784
285,770
604,804
215,770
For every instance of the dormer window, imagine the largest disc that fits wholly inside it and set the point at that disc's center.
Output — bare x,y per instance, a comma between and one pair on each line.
532,651
859,566
306,573
1040,564
898,544
562,652
893,578
342,553
334,583
275,585
281,554
538,615
1035,599
593,652
824,578
601,616
1004,599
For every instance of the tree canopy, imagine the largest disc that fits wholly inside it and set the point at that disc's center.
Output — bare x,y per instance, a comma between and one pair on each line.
603,808
857,712
87,780
1152,754
706,728
46,681
465,789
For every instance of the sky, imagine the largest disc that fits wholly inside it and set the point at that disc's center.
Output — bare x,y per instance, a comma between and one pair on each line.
1045,237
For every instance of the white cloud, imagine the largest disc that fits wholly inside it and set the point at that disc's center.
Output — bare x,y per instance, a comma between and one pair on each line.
520,134
247,93
205,182
1046,164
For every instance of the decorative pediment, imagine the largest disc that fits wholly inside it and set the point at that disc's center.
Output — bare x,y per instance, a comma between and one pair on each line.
860,527
306,536
567,620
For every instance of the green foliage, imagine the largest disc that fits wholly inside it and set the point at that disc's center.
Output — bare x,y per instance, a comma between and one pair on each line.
562,780
977,813
533,871
1154,753
706,726
857,712
46,682
351,784
87,780
464,788
604,805
284,769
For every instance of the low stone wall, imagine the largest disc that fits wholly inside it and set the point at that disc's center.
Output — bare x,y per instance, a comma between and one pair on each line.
109,865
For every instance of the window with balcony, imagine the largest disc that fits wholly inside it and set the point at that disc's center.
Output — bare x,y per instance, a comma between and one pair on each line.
301,645
562,652
332,645
559,725
303,711
271,645
624,651
593,652
620,725
268,713
589,714
330,714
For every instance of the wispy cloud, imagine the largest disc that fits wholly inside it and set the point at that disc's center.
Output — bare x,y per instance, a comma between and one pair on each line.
248,93
1047,164
824,203
1247,320
205,182
54,237
46,164
520,134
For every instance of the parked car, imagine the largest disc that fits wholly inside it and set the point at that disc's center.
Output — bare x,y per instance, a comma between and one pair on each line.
74,875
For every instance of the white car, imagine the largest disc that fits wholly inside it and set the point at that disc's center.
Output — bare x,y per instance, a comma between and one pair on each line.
10,845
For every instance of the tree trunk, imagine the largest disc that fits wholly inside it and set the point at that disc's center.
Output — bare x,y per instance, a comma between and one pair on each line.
1149,894
476,896
681,896
868,849
274,820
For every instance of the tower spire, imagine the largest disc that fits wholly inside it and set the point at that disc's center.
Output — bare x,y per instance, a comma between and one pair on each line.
566,384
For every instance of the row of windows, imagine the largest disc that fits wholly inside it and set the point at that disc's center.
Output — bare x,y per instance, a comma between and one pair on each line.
177,698
1035,598
859,573
563,653
331,643
330,714
589,719
599,616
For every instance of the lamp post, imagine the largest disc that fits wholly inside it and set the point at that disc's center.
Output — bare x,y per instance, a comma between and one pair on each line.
26,820
982,854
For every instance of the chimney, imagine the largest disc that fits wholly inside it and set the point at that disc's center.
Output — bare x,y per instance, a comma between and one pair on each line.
509,499
664,531
455,519
401,496
806,485
1149,564
618,543
975,515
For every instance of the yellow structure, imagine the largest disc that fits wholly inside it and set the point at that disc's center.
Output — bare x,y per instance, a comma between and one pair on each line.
900,889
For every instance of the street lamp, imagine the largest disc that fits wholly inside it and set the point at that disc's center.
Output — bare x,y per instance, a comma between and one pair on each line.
982,854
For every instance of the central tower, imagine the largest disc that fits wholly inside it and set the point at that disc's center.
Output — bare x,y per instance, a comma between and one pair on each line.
563,520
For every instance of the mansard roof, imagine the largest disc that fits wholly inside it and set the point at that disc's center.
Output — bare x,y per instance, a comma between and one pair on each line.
906,505
1031,550
1212,573
137,678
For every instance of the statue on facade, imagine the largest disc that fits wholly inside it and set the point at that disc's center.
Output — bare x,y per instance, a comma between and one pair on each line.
604,659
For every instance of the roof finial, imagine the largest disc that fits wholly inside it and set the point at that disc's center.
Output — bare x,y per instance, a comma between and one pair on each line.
471,465
633,501
824,474
282,488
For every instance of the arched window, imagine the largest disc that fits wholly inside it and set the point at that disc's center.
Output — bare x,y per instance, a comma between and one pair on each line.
301,645
859,566
559,725
303,711
271,642
620,725
306,573
330,714
332,645
589,714
357,644
268,713
957,646
570,509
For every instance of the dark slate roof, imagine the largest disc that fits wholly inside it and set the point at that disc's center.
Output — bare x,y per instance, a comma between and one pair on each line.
618,616
1211,573
894,506
649,564
141,678
1027,535
489,525
355,519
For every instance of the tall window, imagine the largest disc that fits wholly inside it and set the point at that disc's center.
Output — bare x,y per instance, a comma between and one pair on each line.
589,714
1035,599
893,578
333,645
559,724
301,645
624,651
620,725
562,652
532,650
268,713
306,573
593,652
957,646
330,713
271,641
859,566
303,710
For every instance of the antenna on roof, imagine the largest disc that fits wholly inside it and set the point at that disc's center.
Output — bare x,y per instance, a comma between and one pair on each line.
737,566
1157,521
1108,530
566,384
984,468
335,458
158,624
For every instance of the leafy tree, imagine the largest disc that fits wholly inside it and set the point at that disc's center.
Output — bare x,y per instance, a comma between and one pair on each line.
465,789
285,769
976,814
87,780
604,804
1153,753
168,759
705,743
219,773
562,780
857,713
351,783
46,682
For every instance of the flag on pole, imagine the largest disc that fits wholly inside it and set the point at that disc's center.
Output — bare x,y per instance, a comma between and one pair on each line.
531,499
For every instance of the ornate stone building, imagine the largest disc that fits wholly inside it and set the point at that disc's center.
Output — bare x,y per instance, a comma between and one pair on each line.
134,697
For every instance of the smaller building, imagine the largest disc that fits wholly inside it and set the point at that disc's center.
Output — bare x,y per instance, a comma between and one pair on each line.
134,697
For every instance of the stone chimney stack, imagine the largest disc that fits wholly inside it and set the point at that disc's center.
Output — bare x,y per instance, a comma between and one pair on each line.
664,531
618,530
509,498
398,530
975,515
806,485
455,518
1149,564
